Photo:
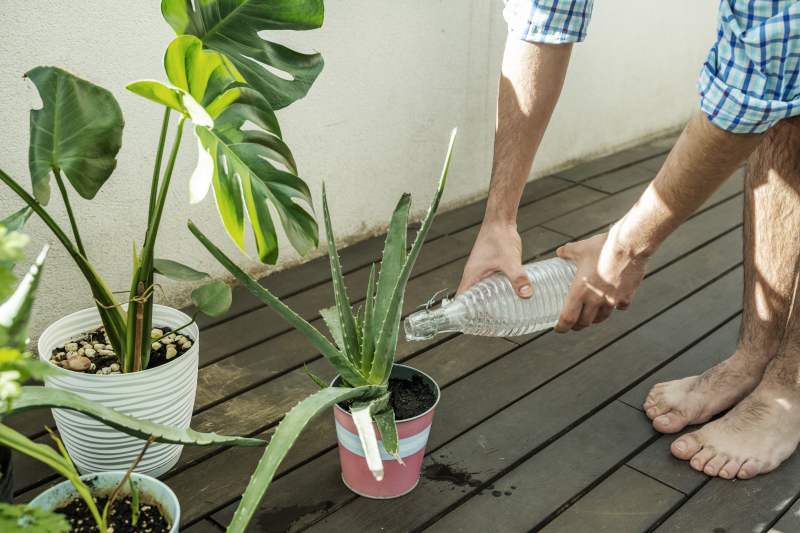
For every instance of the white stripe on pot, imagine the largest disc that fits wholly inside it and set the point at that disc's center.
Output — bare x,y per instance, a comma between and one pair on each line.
407,446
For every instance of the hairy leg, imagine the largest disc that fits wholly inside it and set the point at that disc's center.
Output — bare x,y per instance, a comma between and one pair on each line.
764,428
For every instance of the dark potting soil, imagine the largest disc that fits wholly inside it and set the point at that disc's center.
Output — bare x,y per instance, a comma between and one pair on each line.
409,397
100,360
151,520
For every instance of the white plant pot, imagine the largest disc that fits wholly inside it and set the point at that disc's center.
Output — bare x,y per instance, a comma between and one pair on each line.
152,491
164,394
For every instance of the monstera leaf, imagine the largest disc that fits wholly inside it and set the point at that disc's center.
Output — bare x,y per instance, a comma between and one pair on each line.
78,131
232,27
250,168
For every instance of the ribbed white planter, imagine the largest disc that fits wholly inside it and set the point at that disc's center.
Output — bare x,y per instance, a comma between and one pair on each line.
153,492
164,394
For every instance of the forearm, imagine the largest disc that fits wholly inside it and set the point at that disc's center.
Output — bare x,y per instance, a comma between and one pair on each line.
702,159
530,84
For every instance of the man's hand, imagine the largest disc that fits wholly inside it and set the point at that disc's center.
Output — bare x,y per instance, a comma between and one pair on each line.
607,276
498,248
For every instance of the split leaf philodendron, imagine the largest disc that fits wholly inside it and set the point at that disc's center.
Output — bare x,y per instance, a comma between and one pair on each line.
221,77
364,348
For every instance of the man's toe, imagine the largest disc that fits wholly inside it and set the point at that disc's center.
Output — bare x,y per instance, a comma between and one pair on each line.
686,446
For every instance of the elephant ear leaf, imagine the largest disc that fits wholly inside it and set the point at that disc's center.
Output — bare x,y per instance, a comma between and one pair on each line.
78,131
232,27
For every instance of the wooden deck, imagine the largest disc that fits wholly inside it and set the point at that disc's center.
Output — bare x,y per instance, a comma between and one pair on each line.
540,432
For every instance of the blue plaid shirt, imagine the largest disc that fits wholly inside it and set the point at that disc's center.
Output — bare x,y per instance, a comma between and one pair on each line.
749,80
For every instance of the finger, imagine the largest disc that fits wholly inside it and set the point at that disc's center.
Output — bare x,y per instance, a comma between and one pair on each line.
566,251
603,313
467,281
520,281
570,313
588,314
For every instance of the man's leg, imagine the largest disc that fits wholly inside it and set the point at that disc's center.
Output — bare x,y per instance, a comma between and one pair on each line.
770,252
764,428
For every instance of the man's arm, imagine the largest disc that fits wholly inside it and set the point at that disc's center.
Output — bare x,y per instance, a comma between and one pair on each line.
611,266
530,84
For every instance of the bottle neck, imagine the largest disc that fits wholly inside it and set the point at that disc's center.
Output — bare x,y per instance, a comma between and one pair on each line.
427,323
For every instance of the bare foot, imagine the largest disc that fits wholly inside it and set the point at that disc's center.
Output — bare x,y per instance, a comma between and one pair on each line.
674,405
752,438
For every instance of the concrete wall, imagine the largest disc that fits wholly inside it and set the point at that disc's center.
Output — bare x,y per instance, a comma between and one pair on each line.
398,76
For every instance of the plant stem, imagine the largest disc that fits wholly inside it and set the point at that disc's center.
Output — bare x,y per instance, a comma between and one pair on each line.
125,478
157,167
70,214
137,343
112,317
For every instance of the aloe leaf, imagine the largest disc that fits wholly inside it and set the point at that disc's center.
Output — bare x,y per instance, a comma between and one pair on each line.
177,271
362,419
212,299
16,220
394,254
330,315
78,131
339,290
235,27
388,430
368,325
320,342
15,312
282,441
38,397
315,378
387,335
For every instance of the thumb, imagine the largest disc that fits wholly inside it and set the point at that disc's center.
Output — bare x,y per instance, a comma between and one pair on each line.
520,281
565,251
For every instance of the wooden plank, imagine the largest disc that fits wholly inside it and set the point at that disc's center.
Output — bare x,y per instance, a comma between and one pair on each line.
542,360
623,178
625,502
499,443
530,493
585,221
612,162
738,506
204,526
789,522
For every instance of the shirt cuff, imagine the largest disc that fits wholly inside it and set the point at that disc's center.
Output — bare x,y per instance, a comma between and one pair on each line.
548,21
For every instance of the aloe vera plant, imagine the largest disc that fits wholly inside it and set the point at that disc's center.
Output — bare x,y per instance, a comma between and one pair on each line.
222,75
363,350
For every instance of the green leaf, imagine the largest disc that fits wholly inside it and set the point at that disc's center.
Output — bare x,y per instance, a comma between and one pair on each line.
159,93
15,312
16,221
368,325
38,397
233,28
346,319
134,488
212,299
317,339
78,130
23,518
387,335
388,429
331,318
282,441
177,271
316,379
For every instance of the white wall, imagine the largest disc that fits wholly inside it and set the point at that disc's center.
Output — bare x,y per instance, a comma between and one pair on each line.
398,76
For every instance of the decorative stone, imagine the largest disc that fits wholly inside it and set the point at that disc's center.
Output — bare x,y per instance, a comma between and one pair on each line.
106,352
186,345
156,333
99,346
79,363
114,367
169,339
71,347
156,346
93,367
70,355
171,351
89,352
81,351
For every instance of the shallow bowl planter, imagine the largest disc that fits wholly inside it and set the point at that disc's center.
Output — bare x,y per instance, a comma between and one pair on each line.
151,492
399,479
164,394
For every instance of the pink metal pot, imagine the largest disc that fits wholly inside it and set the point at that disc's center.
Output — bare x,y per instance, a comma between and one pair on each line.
399,478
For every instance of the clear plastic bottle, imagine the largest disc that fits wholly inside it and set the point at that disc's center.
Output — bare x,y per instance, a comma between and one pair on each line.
491,307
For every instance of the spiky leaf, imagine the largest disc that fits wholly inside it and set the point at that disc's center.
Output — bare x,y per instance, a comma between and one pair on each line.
15,312
387,336
233,27
368,325
78,131
37,397
388,429
330,315
284,438
320,342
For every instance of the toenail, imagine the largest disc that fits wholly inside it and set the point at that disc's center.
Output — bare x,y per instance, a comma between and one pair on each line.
681,446
663,420
709,470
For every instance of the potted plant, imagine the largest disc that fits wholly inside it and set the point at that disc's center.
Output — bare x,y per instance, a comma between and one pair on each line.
366,394
132,354
159,505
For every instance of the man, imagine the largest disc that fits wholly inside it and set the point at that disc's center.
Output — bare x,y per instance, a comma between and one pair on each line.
749,92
